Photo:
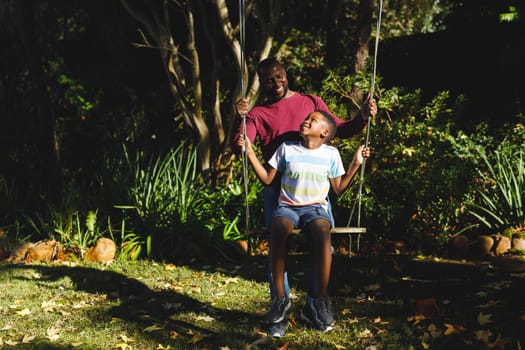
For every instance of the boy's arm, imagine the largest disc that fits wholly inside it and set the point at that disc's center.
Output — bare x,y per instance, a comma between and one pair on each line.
265,174
340,184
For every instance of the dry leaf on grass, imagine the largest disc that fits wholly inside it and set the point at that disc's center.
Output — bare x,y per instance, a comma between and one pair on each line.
483,319
24,312
28,339
452,329
53,333
126,339
153,328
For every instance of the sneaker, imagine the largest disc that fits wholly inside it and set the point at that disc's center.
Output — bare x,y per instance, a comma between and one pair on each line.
325,311
278,329
311,314
278,308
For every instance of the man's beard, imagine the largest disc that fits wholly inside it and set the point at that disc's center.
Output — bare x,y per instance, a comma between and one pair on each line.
280,97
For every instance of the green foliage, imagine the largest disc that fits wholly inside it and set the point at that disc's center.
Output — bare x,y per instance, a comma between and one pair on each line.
499,197
74,235
167,189
131,243
415,183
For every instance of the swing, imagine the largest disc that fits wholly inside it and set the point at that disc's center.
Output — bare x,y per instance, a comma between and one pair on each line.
348,230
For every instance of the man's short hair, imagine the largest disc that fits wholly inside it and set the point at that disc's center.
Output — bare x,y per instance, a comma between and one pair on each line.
332,125
267,63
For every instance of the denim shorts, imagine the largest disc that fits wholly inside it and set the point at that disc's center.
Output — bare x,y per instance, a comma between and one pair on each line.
301,215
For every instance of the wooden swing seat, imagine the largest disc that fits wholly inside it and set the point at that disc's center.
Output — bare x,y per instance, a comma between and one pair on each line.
344,230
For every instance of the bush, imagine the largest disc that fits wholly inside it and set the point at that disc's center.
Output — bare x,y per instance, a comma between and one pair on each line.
415,182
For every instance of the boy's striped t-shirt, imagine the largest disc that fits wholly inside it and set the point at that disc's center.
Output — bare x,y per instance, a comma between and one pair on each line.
305,173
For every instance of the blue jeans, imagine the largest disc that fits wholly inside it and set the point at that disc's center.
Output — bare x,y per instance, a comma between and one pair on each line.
271,197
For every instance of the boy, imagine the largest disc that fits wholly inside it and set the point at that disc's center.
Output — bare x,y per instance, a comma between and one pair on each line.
308,168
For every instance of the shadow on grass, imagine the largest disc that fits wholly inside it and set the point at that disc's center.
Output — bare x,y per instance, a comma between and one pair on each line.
141,307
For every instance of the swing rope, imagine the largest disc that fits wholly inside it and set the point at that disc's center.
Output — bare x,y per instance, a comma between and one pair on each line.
367,137
242,41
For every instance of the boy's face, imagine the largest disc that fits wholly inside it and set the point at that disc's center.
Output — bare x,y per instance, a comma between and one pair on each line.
314,125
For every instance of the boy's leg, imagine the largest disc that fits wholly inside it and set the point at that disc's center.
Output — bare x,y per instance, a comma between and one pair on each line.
317,310
313,287
321,250
271,195
284,221
281,229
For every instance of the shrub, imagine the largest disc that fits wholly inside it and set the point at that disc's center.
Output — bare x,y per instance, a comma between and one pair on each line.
497,202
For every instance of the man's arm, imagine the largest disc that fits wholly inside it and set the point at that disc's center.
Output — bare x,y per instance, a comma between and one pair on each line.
348,128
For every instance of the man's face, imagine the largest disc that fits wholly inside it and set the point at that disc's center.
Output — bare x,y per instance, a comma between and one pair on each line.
274,82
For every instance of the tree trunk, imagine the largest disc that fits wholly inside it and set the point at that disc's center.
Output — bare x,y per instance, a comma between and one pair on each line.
333,32
45,133
359,50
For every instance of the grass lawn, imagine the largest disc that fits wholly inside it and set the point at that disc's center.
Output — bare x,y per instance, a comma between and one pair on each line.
390,302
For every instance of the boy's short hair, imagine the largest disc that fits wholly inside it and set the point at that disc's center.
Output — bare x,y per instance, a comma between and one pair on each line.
332,125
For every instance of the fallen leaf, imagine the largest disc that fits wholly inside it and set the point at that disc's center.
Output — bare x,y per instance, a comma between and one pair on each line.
122,346
351,320
126,339
365,333
28,339
345,312
24,312
197,337
434,331
162,347
416,318
482,335
153,328
11,342
231,280
206,318
451,329
53,333
170,267
48,306
483,319
340,347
